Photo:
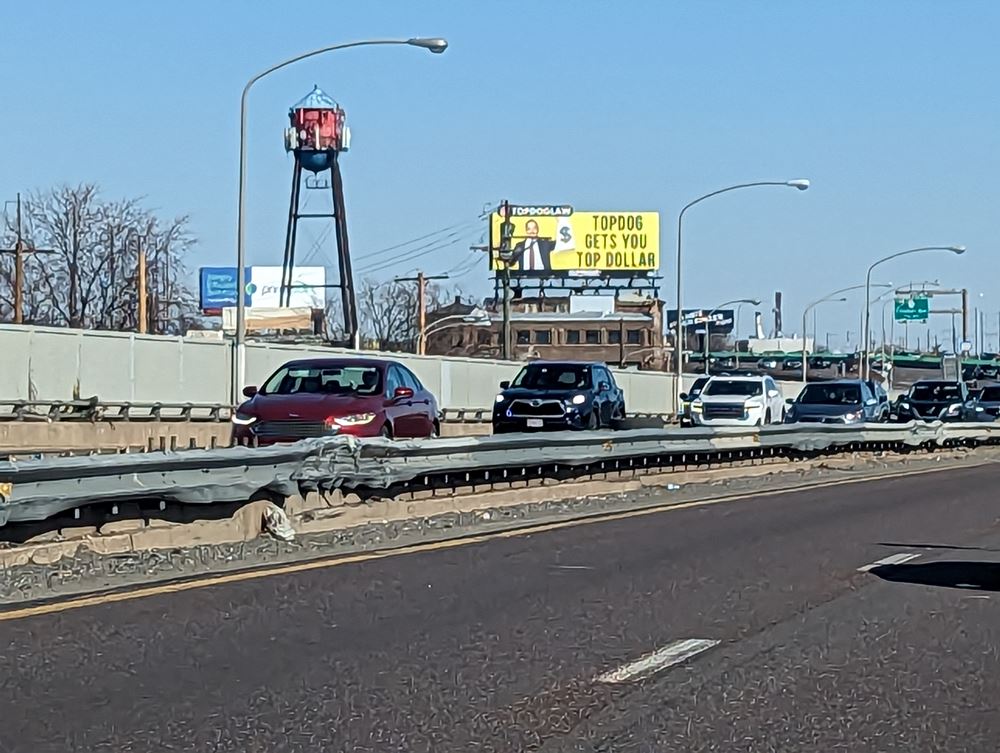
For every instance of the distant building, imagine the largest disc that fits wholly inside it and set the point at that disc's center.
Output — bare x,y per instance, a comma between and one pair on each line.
624,331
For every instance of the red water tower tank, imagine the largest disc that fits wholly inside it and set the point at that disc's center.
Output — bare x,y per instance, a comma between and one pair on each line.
318,127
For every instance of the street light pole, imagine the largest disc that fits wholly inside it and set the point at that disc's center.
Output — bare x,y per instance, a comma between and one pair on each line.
868,282
801,185
434,45
708,317
817,302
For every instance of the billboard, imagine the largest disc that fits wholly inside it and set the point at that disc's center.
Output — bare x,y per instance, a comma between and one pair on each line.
217,287
558,241
720,322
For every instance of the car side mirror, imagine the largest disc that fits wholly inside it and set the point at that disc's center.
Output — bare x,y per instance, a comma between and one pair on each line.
402,393
684,396
249,391
789,400
505,384
604,387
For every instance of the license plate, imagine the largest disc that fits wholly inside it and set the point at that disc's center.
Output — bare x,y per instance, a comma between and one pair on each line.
535,423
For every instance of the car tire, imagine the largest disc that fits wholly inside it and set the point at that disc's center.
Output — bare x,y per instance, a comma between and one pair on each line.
594,422
767,417
386,431
435,430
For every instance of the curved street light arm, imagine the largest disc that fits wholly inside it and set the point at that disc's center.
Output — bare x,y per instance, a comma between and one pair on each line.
678,325
434,45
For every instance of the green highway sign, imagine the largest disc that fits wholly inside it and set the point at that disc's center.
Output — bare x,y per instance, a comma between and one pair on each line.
912,309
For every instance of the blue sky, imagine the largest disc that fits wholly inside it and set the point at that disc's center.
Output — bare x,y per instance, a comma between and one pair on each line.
889,108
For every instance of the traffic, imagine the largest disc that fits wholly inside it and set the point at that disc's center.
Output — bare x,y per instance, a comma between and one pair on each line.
375,397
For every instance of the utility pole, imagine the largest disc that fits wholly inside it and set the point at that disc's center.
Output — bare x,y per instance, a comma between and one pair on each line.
965,314
141,273
19,251
421,279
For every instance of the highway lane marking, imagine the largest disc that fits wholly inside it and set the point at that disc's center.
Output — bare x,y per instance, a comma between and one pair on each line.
661,659
892,559
142,592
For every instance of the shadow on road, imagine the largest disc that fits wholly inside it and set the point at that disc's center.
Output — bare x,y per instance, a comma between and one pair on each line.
981,576
910,545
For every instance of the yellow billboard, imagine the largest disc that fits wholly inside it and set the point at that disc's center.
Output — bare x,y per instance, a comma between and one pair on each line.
556,240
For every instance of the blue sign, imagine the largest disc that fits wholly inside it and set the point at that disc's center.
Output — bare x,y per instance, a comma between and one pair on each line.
217,286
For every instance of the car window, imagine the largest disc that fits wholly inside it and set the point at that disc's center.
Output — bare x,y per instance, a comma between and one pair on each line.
335,379
393,380
410,380
554,377
990,394
831,394
699,385
936,391
744,387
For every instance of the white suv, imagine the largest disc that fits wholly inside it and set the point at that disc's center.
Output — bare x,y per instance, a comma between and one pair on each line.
738,401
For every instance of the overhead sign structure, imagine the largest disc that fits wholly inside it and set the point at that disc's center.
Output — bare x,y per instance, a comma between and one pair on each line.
559,241
720,322
912,309
217,288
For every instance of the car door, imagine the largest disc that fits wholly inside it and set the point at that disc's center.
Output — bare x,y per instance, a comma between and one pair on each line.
775,402
617,396
605,398
399,410
425,408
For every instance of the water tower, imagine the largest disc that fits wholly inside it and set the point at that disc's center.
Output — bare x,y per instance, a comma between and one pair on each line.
318,133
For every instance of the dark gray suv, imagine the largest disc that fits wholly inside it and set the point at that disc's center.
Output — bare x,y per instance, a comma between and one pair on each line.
844,401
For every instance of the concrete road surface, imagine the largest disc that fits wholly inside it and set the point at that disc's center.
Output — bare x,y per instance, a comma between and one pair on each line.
765,624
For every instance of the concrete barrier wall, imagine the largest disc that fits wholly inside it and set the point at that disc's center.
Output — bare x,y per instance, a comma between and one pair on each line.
41,363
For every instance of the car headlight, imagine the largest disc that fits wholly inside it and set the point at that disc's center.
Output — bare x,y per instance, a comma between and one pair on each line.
696,407
978,409
355,419
904,406
499,398
579,399
852,416
242,419
748,404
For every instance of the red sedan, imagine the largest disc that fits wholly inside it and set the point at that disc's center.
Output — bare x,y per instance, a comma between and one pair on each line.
323,397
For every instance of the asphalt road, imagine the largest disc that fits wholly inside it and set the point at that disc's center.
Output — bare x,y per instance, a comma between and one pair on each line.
564,640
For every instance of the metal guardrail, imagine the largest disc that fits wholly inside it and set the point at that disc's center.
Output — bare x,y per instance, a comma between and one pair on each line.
94,410
36,489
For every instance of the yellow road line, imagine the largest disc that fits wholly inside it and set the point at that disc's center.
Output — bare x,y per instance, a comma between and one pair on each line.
335,560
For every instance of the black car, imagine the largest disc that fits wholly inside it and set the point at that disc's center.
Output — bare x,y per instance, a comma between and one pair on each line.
687,397
558,395
936,400
841,401
989,401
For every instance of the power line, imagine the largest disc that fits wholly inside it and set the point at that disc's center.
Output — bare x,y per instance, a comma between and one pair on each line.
387,249
416,253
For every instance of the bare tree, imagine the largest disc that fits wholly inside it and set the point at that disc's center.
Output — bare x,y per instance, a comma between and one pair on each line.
89,276
388,314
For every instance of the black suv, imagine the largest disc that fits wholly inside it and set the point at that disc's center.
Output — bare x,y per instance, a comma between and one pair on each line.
558,395
936,400
843,401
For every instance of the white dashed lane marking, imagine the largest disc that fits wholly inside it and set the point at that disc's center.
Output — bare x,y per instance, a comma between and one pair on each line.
659,660
892,559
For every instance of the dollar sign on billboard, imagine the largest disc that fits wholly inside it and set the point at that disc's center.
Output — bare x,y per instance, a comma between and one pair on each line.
565,234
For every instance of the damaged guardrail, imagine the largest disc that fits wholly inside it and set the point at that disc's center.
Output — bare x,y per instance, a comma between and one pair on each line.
36,489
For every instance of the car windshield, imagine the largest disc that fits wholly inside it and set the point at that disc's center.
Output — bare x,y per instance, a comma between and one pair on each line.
831,394
553,377
744,387
325,380
990,394
939,391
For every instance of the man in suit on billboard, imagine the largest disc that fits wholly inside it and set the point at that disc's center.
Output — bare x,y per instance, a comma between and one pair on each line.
532,252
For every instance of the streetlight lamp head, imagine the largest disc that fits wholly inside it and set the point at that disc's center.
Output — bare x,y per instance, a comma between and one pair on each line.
957,249
754,302
436,45
802,184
